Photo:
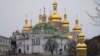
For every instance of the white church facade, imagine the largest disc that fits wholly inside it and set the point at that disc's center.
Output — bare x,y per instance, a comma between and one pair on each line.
52,36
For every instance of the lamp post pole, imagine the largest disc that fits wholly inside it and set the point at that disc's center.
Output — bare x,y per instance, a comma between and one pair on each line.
24,46
32,46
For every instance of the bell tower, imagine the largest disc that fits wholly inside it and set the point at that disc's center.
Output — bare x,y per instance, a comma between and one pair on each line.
76,29
26,26
81,47
65,24
54,17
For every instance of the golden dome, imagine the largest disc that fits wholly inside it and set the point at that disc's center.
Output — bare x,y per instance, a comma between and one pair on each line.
26,26
30,26
65,22
76,27
81,34
81,45
26,29
81,49
55,16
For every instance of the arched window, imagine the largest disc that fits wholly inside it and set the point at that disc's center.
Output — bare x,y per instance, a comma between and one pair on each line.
33,42
39,41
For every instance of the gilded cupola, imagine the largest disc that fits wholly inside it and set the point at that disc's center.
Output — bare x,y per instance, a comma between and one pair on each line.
81,47
55,16
77,26
26,26
65,22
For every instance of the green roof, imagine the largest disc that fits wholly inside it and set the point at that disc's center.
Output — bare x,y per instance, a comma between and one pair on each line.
56,36
46,26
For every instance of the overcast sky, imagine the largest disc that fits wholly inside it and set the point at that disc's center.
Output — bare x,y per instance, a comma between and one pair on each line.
12,14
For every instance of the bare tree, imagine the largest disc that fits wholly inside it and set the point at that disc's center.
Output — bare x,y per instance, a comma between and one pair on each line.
72,48
51,45
95,19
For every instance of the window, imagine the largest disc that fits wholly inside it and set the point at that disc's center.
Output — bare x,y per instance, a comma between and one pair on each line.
6,41
33,42
20,43
9,41
45,32
38,41
27,48
0,40
3,41
0,50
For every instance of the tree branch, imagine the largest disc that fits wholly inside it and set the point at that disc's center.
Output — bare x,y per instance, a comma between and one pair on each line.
97,3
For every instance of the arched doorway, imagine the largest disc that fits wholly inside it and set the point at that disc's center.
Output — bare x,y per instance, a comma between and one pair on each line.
19,50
